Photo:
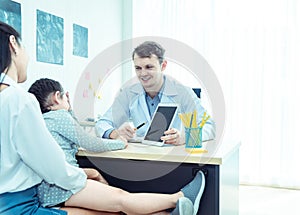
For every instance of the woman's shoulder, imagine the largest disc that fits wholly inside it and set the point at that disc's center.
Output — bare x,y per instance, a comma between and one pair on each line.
17,100
21,98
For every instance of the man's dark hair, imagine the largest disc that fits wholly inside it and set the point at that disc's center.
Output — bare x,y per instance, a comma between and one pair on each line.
148,48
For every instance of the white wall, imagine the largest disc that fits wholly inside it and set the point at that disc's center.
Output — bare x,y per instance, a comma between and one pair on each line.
253,47
104,20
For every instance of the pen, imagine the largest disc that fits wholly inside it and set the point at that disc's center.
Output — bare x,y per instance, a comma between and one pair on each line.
141,125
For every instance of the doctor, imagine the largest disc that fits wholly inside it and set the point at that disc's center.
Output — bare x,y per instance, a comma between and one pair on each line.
137,101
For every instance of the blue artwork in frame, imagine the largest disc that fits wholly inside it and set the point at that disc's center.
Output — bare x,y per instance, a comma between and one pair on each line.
10,13
49,38
80,41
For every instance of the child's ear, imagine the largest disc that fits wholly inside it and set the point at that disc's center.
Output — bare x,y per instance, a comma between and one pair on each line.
55,97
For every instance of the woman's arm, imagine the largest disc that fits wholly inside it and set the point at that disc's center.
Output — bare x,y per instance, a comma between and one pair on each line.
40,152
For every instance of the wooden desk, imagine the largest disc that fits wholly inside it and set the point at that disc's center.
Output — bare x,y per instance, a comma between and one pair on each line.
142,168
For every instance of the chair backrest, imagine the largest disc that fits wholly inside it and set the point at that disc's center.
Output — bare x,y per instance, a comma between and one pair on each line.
197,91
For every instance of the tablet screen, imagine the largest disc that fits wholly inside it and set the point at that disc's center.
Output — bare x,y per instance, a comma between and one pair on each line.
161,122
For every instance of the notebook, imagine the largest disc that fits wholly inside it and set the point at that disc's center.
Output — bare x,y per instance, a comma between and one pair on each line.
162,119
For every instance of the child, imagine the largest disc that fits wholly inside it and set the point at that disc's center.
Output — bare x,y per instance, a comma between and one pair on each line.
65,129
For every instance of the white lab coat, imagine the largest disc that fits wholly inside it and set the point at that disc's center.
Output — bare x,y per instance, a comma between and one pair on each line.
130,103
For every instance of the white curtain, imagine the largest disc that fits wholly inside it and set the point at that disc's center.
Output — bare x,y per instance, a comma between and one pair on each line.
253,47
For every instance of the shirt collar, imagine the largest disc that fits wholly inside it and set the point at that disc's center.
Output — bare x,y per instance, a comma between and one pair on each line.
161,89
7,80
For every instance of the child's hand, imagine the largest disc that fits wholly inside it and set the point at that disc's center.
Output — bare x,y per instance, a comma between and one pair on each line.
68,97
123,139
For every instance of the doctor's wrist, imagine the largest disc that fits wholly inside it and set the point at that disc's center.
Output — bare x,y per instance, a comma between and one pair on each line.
114,134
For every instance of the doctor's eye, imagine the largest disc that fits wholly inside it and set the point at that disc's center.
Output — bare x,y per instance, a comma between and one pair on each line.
137,68
149,67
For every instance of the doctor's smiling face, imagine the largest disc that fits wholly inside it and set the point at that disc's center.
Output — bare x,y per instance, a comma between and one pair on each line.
149,72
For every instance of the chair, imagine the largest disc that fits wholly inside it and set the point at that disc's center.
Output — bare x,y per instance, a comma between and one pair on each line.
197,91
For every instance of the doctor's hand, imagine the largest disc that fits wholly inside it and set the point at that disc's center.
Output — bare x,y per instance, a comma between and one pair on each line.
172,136
125,130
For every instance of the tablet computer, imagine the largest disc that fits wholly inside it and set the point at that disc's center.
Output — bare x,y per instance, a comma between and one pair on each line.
162,119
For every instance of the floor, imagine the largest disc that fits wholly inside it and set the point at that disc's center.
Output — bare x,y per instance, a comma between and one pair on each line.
268,201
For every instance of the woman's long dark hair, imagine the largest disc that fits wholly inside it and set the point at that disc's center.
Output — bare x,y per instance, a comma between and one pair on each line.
5,53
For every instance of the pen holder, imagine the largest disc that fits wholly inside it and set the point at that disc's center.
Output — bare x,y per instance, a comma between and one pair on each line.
193,138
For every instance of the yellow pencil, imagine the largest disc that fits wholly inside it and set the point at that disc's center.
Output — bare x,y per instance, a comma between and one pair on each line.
204,120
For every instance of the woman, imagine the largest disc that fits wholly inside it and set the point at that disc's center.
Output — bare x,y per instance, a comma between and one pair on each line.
25,164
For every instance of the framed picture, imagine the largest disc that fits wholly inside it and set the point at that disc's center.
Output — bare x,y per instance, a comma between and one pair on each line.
49,38
10,13
80,41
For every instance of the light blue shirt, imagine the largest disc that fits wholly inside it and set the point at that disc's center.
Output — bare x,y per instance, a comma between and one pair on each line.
131,103
152,103
28,152
70,135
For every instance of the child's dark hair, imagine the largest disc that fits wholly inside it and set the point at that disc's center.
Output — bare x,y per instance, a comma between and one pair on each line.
42,89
